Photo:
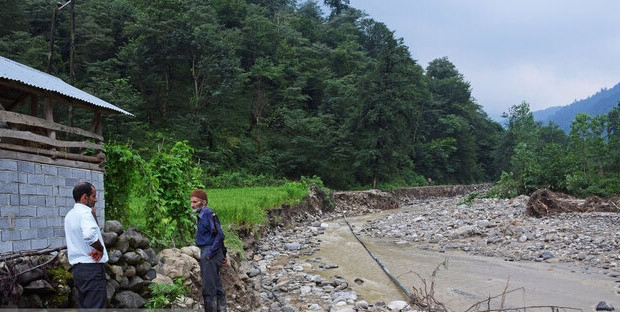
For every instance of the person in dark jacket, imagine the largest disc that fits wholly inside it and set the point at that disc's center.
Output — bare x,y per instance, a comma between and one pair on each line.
210,240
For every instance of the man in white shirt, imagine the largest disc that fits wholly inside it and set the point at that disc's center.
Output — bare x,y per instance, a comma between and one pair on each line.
85,248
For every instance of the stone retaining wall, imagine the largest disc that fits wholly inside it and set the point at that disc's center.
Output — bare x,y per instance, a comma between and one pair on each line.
34,199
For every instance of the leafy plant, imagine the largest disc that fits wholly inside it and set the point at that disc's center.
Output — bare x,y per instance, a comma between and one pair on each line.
164,295
469,198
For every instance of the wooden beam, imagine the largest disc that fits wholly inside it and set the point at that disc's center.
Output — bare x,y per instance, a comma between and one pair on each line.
22,119
29,136
52,153
47,160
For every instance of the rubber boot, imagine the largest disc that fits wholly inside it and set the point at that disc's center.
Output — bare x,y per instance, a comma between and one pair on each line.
210,304
221,304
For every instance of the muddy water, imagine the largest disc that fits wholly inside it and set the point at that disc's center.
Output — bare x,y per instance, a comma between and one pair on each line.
465,281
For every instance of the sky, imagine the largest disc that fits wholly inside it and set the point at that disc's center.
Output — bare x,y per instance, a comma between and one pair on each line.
545,52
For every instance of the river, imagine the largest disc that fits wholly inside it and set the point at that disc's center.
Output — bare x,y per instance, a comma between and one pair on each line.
465,280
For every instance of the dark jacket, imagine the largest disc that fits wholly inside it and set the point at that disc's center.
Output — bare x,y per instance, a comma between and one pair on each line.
209,231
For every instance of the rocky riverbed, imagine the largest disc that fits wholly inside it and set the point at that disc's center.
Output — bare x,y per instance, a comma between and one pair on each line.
285,276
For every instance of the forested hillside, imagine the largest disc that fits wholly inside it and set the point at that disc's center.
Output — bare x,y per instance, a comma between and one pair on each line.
266,87
265,90
600,103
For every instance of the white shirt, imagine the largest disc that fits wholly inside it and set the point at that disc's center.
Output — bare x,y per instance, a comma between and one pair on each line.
81,231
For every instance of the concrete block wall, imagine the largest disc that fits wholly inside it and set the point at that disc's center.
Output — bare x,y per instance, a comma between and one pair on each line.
34,199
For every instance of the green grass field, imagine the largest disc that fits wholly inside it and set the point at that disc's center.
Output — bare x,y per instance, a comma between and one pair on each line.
248,206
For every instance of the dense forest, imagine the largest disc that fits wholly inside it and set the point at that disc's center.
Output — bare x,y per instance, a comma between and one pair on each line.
280,89
600,103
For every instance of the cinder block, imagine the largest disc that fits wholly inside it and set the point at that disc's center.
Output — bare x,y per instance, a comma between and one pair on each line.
62,211
36,223
23,200
25,166
22,245
98,185
22,177
65,191
45,190
14,200
55,221
27,211
37,168
47,211
9,176
56,242
39,243
28,234
50,170
5,199
6,247
79,173
64,172
38,179
36,200
50,201
6,211
45,232
9,188
71,182
22,223
8,164
10,235
59,232
97,176
4,223
27,189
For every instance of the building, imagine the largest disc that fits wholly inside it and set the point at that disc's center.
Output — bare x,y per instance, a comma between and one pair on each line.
41,160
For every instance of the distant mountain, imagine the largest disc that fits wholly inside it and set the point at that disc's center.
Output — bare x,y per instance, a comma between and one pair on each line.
600,103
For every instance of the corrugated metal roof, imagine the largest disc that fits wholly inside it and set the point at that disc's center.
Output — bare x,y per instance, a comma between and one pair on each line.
27,75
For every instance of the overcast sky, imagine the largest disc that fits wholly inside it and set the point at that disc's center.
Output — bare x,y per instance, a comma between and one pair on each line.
545,52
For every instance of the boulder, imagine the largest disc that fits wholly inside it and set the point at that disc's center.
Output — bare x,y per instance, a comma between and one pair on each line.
173,263
134,238
142,268
39,287
152,256
132,257
129,299
114,255
193,251
109,238
113,226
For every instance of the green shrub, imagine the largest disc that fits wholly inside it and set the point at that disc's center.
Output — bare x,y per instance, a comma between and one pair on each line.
164,295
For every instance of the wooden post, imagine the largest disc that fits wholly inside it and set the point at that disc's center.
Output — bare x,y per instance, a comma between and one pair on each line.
49,116
33,105
72,56
50,55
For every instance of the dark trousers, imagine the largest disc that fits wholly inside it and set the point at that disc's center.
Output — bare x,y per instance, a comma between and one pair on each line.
89,280
212,291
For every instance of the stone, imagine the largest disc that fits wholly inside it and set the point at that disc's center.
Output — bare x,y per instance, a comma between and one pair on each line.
39,287
129,299
162,279
397,305
114,255
122,243
117,272
292,246
604,306
152,256
193,251
133,237
150,275
136,283
109,238
142,268
546,255
175,264
28,275
132,257
113,226
111,287
130,271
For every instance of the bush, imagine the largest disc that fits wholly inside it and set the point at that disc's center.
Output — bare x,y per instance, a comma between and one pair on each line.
164,295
